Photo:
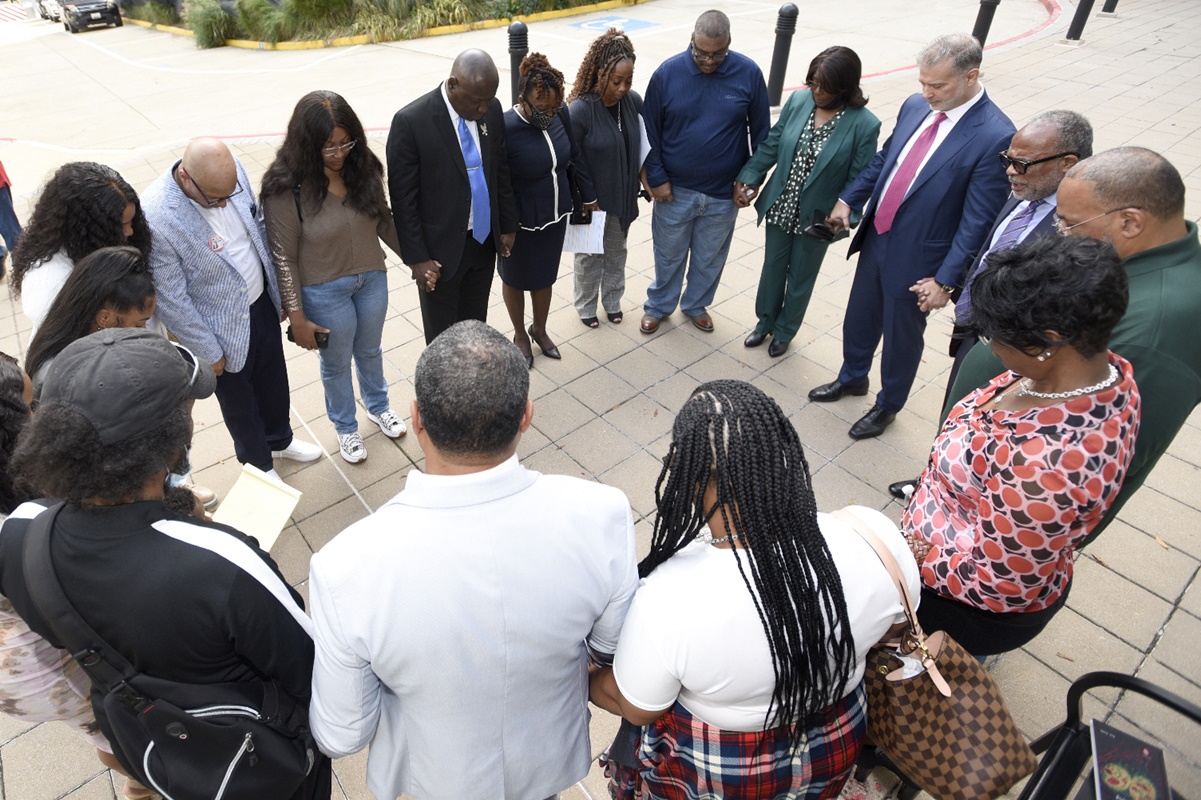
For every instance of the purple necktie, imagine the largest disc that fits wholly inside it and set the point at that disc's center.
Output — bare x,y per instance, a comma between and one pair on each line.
891,202
1008,238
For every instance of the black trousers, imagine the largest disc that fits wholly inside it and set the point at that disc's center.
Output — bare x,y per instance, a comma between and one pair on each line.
984,633
465,294
254,400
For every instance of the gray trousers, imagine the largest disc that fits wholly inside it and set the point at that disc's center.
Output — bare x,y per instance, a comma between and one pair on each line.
604,273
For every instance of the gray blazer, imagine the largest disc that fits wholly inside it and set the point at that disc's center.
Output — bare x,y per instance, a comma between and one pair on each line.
614,174
201,294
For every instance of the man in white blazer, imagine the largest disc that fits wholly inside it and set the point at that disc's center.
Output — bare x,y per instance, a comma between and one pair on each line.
454,625
217,293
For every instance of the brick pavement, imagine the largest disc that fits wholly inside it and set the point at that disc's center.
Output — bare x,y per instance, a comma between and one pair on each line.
604,412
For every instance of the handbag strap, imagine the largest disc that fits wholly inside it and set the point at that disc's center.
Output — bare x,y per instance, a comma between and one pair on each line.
898,579
107,667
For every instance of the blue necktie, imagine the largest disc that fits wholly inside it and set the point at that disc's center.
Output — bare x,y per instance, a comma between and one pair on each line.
481,210
1008,239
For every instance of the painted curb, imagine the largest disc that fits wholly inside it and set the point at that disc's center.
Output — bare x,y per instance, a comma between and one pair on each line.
441,30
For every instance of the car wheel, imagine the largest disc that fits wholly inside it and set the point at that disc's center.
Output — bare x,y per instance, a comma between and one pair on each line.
67,26
119,21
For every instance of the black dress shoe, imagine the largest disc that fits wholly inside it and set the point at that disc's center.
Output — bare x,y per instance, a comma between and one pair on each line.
829,392
902,490
754,339
777,348
872,423
549,352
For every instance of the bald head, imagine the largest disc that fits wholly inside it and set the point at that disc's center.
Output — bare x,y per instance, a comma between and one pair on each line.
472,84
208,173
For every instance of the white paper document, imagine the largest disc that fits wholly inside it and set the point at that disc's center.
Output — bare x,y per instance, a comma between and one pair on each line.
258,506
586,238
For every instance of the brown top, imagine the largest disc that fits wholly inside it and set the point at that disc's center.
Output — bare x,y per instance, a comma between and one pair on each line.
332,242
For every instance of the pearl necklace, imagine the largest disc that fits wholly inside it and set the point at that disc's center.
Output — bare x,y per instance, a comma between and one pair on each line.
1026,383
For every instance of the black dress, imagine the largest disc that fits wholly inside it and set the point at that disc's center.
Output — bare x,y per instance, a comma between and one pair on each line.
538,172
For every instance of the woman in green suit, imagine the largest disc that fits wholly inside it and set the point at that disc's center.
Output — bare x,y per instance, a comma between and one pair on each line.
823,139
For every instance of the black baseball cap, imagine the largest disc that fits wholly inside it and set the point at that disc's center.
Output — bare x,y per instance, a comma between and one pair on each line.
125,381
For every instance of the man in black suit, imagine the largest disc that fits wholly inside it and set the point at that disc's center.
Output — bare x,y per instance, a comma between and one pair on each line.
1038,157
448,175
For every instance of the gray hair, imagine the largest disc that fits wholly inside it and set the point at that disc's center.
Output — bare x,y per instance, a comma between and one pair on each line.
472,384
1129,177
713,24
963,50
1073,132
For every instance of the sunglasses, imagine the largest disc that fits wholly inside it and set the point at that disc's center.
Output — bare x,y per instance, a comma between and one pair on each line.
1021,165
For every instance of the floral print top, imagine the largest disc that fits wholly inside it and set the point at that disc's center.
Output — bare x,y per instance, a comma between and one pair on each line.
786,211
1007,496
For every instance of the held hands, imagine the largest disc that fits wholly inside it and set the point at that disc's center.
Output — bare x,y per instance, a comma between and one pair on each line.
592,206
744,195
919,547
506,243
840,217
426,274
661,193
304,330
219,367
930,294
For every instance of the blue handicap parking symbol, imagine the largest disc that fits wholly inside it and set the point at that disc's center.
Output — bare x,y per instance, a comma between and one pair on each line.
603,24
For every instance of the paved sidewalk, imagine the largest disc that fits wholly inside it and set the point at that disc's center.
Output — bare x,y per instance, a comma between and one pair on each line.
131,98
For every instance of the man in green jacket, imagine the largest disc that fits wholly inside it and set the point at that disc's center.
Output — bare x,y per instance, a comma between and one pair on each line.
1133,198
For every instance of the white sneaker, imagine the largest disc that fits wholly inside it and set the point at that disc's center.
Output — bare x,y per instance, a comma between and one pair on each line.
271,473
392,425
352,448
298,450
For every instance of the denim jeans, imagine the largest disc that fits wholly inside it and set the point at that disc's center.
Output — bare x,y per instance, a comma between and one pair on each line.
353,308
694,222
10,228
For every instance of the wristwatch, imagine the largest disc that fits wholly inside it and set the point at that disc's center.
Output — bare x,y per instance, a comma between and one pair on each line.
948,289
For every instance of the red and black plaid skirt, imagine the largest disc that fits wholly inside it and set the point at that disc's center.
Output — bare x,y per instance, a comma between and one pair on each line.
682,758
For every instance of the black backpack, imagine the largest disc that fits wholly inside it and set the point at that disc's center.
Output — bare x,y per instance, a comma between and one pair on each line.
245,740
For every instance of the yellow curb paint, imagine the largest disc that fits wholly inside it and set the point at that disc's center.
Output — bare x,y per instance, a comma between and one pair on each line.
441,30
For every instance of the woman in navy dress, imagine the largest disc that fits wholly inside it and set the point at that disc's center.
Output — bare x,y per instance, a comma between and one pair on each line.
540,144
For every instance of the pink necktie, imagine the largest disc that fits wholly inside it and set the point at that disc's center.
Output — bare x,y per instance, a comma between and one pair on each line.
891,201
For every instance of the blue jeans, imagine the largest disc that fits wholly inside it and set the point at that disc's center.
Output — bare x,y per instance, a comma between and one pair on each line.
694,222
353,308
10,227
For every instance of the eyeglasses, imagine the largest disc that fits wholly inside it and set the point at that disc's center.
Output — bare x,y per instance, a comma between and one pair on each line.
709,58
1062,229
330,152
1021,165
189,356
213,202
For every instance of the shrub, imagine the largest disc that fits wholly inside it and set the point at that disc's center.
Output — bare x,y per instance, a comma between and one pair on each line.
154,12
209,22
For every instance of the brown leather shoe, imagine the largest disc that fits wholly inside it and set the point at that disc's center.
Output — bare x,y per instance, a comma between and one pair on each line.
702,321
649,324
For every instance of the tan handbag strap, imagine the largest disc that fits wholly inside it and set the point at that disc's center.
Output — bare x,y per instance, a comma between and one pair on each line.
898,579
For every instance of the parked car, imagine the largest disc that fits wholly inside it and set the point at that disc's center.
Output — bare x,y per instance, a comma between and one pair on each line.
50,9
82,14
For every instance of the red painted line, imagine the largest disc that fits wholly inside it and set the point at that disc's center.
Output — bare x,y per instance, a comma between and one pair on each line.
1054,12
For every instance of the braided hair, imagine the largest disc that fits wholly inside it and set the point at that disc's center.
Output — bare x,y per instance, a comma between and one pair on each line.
734,435
14,414
537,73
606,51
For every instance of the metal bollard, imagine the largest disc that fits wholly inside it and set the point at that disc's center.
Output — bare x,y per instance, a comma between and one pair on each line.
785,28
984,19
1084,8
1110,7
519,46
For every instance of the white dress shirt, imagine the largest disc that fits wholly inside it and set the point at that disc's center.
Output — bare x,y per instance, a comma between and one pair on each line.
1048,207
451,628
944,130
230,236
474,129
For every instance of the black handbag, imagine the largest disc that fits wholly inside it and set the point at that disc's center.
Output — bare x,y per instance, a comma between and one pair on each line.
224,741
579,215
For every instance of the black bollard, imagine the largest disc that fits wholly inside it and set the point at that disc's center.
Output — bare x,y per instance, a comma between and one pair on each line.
785,28
1110,7
984,19
1083,9
519,46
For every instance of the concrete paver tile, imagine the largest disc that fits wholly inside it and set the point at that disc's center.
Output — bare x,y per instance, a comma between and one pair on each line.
11,727
1191,602
1177,648
1137,556
1177,479
1136,619
642,419
601,390
325,525
1036,694
1072,645
350,776
836,488
636,477
598,446
641,368
558,414
292,553
29,775
1159,515
98,788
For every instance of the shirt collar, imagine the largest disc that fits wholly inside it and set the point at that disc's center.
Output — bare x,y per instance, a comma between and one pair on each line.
956,114
456,491
454,115
1184,250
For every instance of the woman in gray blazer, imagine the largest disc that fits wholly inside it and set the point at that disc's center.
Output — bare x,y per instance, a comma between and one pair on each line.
823,139
606,123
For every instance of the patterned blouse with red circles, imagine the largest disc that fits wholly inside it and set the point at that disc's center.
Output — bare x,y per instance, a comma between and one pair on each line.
1007,495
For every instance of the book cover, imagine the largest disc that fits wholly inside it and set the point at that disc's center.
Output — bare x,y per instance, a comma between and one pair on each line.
1127,768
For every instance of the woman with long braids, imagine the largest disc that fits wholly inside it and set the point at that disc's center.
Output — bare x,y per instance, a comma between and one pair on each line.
605,117
748,635
324,206
83,207
540,145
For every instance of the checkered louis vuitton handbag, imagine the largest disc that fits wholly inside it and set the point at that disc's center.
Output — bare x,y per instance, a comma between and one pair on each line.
946,726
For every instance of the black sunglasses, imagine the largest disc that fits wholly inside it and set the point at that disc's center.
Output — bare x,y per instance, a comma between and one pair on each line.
1021,165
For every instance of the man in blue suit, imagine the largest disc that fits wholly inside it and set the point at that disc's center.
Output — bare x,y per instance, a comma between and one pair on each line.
932,193
217,293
